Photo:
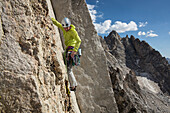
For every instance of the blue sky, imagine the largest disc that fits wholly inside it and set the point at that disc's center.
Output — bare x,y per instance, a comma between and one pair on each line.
147,20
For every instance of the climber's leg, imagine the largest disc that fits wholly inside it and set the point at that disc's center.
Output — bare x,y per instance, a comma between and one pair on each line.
71,77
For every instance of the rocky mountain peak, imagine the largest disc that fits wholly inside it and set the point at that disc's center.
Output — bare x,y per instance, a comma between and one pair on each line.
140,56
114,34
131,37
151,72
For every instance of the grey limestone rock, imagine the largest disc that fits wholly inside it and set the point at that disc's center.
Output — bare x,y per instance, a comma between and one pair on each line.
32,72
94,93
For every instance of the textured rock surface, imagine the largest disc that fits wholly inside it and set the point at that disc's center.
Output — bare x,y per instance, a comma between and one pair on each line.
136,89
142,58
31,66
94,93
117,74
32,73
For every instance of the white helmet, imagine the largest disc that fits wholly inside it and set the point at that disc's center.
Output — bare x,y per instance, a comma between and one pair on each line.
66,22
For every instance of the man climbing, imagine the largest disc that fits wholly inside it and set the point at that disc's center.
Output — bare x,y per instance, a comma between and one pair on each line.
72,42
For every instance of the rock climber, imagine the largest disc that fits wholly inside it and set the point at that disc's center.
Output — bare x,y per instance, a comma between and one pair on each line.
72,42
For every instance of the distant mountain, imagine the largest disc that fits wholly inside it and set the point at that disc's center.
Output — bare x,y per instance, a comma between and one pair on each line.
168,60
140,57
138,74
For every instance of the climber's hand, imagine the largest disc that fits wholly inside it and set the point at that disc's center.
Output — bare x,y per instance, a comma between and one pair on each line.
73,53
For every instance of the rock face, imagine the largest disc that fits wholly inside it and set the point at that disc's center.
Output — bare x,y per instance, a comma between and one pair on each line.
32,72
140,79
116,74
94,93
142,58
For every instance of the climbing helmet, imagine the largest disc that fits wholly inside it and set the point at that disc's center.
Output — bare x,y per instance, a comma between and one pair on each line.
66,22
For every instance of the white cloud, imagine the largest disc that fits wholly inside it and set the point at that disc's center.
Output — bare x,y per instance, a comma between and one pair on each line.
97,1
148,34
141,33
90,7
106,26
119,26
102,28
151,34
169,33
142,24
93,12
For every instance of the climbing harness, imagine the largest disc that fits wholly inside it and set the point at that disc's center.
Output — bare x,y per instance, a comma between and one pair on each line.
69,60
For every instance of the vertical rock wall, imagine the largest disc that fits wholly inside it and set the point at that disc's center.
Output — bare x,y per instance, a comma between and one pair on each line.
32,73
94,93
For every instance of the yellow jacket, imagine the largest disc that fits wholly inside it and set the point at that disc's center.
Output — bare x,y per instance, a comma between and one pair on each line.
71,37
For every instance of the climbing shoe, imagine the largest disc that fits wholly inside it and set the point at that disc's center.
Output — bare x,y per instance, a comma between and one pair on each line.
73,88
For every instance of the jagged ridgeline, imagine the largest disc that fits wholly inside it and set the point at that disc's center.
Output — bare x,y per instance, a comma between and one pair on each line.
116,75
140,75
